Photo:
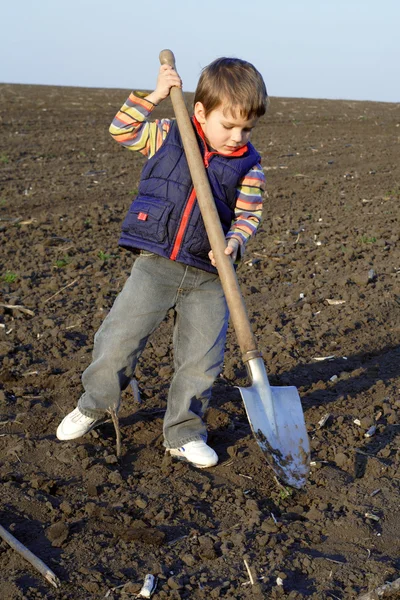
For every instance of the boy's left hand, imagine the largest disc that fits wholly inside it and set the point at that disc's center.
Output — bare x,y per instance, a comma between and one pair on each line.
231,250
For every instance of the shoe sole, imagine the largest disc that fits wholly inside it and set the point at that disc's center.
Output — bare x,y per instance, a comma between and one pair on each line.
78,435
183,458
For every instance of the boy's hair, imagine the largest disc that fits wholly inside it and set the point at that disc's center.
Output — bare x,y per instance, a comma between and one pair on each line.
236,84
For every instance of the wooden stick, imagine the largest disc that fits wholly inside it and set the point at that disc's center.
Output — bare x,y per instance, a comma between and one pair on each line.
30,557
19,307
382,591
248,571
114,417
59,291
68,285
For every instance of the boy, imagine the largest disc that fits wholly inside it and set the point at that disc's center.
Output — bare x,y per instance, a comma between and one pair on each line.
175,267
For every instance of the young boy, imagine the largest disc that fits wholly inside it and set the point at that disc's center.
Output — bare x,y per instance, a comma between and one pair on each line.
175,267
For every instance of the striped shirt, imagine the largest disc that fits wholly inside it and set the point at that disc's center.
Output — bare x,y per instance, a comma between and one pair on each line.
131,129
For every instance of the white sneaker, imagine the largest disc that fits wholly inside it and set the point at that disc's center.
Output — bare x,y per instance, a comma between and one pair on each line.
197,453
75,424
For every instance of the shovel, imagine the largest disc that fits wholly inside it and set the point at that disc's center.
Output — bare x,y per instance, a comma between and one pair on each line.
275,413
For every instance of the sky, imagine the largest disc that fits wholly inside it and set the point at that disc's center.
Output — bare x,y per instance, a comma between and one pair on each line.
341,49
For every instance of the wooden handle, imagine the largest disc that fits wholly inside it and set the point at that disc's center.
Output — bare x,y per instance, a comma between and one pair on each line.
211,220
167,58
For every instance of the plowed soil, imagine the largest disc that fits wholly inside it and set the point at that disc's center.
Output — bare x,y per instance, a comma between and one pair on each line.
322,285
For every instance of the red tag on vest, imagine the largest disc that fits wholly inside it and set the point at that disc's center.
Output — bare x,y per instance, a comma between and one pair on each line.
142,216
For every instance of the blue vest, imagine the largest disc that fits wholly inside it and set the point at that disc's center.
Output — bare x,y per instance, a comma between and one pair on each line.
165,217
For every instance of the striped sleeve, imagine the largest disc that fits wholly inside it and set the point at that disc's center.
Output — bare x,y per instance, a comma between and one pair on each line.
248,208
131,129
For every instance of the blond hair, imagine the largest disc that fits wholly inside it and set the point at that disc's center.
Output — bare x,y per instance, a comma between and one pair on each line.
234,83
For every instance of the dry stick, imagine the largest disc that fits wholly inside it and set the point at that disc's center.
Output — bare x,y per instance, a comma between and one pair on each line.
66,286
30,557
382,591
248,571
19,307
114,417
59,291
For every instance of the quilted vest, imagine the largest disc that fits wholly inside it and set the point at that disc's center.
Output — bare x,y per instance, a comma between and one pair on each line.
165,217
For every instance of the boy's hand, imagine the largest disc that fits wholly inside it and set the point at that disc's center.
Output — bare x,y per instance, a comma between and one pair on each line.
231,250
167,78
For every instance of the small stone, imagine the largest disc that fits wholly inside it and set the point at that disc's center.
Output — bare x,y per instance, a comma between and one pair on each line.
165,372
384,453
175,583
115,477
263,540
131,588
111,459
268,527
36,482
361,278
314,514
366,422
386,407
140,502
92,490
86,462
91,509
341,459
147,535
167,464
66,508
82,452
57,533
207,549
91,586
189,560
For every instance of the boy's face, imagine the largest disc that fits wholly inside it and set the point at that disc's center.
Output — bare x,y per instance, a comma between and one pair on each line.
223,131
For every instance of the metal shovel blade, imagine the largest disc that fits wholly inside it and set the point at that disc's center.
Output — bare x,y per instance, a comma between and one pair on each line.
276,418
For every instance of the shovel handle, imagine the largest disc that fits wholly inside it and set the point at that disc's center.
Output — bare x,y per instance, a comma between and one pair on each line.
216,236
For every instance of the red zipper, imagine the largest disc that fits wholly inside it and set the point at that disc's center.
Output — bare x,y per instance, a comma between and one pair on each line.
183,224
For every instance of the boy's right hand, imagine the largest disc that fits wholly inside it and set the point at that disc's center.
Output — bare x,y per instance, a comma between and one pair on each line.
167,78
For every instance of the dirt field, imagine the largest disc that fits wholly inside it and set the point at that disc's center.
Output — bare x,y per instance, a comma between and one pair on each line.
330,233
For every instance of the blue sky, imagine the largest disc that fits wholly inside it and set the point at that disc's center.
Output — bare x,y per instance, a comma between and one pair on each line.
346,49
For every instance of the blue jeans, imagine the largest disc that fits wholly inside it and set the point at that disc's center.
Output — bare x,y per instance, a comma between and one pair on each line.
157,284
